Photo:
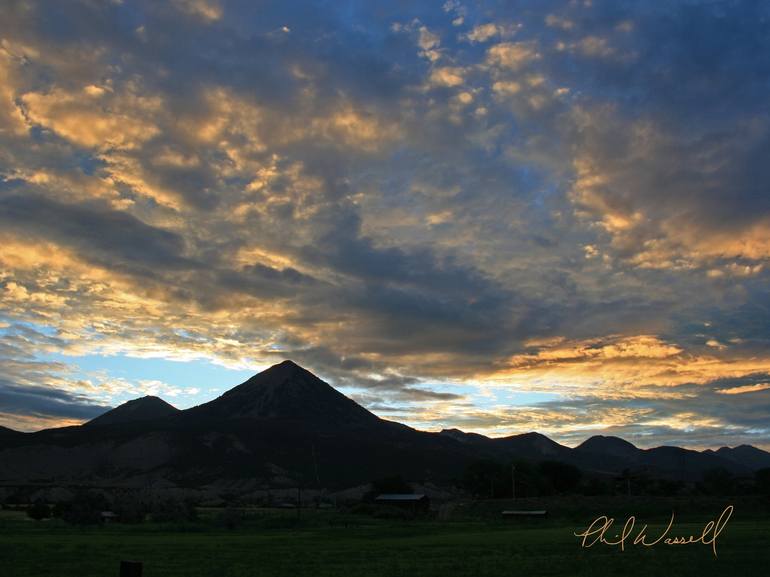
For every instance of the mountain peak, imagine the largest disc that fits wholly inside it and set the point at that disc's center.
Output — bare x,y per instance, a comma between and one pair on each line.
462,436
608,445
141,409
532,444
746,454
287,391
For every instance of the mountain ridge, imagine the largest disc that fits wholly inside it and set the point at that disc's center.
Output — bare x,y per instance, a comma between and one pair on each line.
286,419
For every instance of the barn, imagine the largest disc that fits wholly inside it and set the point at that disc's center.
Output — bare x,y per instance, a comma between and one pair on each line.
413,502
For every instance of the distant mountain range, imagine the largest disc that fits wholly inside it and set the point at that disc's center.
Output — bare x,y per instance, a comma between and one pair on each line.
286,427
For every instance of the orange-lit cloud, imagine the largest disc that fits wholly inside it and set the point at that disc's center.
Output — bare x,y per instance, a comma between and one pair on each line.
745,389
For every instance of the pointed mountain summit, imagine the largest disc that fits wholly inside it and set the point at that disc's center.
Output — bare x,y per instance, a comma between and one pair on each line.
142,409
286,391
614,446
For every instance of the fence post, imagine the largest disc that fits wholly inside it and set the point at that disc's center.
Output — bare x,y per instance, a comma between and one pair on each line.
130,569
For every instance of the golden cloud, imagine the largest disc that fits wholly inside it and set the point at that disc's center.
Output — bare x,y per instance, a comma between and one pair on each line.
619,367
96,119
744,389
447,76
11,118
206,10
512,55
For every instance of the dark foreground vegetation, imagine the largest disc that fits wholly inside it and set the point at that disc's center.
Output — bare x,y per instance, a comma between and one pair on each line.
462,538
88,531
495,479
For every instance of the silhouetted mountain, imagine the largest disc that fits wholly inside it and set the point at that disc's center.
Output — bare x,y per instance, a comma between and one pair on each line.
142,409
533,446
524,446
614,446
677,462
613,453
746,455
286,391
6,432
286,427
464,437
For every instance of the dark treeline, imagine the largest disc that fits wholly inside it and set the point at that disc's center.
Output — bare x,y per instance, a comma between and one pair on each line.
493,479
483,479
90,507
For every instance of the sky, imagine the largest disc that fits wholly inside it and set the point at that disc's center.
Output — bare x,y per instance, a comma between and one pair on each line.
503,217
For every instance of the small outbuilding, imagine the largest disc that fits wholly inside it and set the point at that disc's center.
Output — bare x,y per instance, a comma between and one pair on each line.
413,502
108,516
523,513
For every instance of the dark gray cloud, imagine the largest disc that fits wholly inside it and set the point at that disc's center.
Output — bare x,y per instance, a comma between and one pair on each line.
98,231
47,402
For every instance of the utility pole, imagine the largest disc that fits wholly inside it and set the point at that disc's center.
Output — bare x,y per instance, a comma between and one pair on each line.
315,466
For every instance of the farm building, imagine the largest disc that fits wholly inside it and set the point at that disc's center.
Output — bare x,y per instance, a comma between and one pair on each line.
416,503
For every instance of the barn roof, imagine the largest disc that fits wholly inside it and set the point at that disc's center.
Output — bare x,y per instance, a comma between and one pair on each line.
400,497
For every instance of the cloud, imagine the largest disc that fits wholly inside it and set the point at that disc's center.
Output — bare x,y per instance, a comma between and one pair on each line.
94,117
512,55
488,31
447,76
104,234
206,10
744,389
38,401
567,199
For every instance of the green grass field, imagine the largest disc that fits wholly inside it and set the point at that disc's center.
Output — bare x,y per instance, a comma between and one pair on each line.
324,546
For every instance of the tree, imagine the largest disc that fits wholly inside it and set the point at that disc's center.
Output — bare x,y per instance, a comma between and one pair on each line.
173,510
231,517
129,508
84,509
718,481
563,477
762,481
39,510
596,486
485,478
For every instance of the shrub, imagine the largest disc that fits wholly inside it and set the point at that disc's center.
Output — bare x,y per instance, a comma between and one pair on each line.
563,477
85,509
129,509
231,518
762,481
39,510
173,510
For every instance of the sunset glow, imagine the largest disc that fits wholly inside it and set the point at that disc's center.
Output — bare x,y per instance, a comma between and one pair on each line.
507,219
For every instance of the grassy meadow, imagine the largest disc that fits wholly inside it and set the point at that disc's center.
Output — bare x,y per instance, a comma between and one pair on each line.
326,543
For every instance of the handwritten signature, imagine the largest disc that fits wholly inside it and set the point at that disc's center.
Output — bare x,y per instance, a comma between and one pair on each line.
600,527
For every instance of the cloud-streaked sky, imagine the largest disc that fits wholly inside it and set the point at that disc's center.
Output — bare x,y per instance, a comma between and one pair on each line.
497,216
